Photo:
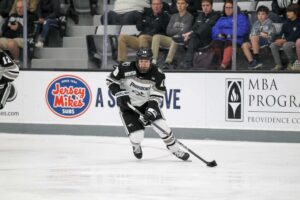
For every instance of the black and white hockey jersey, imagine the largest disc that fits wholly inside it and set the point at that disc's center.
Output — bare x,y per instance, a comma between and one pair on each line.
142,87
9,70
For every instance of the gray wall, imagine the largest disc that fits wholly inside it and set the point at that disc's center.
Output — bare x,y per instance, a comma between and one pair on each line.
181,133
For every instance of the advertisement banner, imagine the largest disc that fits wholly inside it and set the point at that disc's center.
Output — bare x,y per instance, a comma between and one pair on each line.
193,100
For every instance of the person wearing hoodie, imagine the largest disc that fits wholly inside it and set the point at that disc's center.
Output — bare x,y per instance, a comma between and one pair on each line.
262,34
222,33
286,40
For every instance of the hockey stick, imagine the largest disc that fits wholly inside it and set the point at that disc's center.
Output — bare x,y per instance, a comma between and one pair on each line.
209,164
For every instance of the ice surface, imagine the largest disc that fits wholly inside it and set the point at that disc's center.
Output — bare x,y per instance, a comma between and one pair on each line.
56,167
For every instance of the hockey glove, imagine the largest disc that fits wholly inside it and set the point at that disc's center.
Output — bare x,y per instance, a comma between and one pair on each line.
150,114
143,121
123,99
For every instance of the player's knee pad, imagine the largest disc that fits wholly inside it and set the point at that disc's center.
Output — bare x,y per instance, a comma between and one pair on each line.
163,125
136,137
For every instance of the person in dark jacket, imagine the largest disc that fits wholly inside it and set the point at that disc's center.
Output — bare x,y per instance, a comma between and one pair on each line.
200,36
290,32
222,33
48,14
279,8
12,31
153,21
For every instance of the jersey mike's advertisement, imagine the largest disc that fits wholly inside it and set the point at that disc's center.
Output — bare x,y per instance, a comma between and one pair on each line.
68,96
192,100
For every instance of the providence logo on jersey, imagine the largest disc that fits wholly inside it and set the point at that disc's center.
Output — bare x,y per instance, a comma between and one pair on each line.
235,100
68,96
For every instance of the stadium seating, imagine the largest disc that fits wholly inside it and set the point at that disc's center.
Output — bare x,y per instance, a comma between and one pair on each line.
74,50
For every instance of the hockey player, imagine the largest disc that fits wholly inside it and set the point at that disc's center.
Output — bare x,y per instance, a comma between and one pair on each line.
141,84
9,71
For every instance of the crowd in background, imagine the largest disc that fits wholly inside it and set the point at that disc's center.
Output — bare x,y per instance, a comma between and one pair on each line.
41,16
205,35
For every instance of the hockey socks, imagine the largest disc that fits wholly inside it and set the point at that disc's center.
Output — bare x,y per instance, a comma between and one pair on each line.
173,146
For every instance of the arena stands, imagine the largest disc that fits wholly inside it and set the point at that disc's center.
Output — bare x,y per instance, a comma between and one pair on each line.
70,51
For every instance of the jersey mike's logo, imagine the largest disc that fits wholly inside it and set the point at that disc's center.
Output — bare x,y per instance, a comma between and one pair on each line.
68,96
234,99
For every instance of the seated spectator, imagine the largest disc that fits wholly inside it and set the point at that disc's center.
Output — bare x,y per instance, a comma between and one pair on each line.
12,29
153,21
290,32
32,6
262,34
126,12
5,7
193,6
200,36
296,65
48,14
179,24
279,8
222,33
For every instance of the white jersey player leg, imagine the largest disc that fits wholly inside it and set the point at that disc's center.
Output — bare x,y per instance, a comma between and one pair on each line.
169,139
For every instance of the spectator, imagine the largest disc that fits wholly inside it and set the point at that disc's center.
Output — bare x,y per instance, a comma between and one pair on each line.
193,6
94,7
126,12
153,21
279,8
12,29
179,24
5,7
48,14
32,6
296,65
262,34
222,33
286,39
200,36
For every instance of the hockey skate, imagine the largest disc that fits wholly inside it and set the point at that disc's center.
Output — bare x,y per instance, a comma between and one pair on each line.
137,151
181,155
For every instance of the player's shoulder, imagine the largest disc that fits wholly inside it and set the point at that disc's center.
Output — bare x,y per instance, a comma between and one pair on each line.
126,69
157,72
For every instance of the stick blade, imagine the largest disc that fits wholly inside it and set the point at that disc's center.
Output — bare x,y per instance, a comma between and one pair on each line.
212,164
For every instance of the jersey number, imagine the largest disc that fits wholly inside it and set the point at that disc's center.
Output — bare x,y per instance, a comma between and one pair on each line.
6,60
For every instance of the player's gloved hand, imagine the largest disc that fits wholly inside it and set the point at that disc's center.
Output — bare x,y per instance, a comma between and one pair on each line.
123,99
143,121
150,114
